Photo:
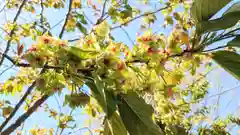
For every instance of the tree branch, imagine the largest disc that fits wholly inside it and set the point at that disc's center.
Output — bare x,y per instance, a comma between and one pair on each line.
13,30
99,20
66,20
169,56
26,65
17,106
24,116
41,13
73,40
29,90
103,10
41,18
135,18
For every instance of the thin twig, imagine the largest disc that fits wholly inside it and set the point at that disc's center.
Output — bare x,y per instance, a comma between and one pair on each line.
192,84
26,65
88,18
6,70
3,8
223,92
217,104
61,132
129,38
80,130
58,103
229,103
165,82
219,47
104,6
42,9
60,110
56,24
66,20
135,18
13,30
41,18
99,20
73,40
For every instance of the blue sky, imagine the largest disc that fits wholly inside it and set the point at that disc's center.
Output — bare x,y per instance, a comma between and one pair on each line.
220,80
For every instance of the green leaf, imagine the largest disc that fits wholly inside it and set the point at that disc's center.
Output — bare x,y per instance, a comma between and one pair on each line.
234,8
114,126
81,53
235,42
137,115
224,22
181,131
230,61
81,28
111,103
97,93
82,18
203,10
228,19
108,97
105,98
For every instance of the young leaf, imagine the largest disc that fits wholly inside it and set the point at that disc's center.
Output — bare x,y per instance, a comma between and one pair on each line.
6,111
137,115
20,48
230,61
203,10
